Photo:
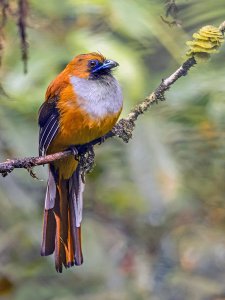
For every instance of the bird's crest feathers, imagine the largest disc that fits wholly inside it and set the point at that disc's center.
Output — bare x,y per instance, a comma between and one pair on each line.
79,66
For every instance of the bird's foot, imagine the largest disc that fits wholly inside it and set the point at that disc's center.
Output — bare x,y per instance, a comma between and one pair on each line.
102,139
74,151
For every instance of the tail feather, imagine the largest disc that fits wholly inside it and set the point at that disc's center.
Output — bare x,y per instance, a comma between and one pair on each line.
70,252
61,216
49,232
76,233
76,188
62,223
51,189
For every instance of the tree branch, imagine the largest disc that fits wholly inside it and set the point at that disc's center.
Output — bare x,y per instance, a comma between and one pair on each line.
123,129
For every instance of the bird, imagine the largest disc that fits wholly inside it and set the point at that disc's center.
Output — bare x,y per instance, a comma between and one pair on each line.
81,104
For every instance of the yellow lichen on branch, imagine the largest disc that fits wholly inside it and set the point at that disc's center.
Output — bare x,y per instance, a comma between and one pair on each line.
206,41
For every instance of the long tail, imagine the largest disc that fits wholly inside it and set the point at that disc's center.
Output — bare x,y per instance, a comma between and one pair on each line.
62,219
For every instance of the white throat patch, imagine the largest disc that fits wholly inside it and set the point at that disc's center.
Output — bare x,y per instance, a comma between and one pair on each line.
98,97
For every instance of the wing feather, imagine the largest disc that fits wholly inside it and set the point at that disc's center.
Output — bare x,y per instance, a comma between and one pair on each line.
49,125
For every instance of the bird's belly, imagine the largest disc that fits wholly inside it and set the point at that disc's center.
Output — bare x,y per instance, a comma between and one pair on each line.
79,129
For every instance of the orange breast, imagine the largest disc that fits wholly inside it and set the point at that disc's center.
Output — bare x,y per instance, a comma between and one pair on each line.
76,127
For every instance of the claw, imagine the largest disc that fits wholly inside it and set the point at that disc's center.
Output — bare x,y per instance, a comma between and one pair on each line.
74,152
102,139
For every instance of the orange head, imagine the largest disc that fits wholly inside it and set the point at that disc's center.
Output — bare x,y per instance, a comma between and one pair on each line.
90,66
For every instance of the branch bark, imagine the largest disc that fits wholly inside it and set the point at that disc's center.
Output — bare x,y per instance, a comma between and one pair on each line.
123,129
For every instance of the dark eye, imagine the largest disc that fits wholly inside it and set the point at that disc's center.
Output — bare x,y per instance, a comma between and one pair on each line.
93,63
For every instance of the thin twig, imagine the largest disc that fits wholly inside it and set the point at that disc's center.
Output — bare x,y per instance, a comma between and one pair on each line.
22,16
123,129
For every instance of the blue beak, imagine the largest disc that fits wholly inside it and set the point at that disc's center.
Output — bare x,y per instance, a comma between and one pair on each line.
108,64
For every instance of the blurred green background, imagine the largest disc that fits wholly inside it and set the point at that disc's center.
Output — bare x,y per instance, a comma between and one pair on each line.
154,216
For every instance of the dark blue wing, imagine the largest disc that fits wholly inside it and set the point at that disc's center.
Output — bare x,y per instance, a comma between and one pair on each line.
49,124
